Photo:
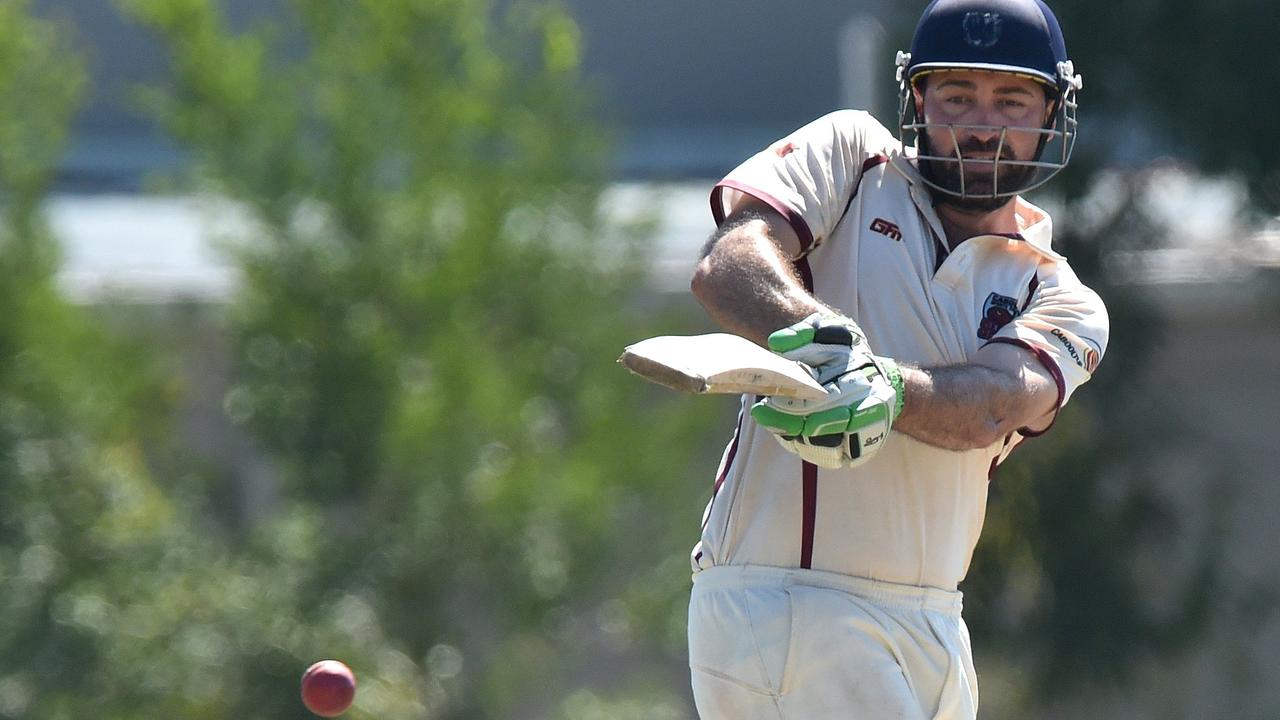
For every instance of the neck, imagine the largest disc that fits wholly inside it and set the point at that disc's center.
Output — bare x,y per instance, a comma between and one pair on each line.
961,223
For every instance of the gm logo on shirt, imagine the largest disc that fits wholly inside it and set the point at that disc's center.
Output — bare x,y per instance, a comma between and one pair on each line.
886,228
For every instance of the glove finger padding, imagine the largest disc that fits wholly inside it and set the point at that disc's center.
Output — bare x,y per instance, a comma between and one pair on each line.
848,426
826,456
844,451
829,344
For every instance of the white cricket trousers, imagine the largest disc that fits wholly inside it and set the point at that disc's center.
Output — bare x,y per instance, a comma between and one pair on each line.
790,644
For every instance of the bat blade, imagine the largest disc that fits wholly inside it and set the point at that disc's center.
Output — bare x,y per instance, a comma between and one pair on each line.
718,363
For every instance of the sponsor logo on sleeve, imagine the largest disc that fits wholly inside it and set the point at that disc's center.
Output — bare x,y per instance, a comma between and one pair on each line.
886,228
998,311
1071,349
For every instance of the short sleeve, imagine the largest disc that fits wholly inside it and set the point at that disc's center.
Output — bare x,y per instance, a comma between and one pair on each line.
1065,324
809,175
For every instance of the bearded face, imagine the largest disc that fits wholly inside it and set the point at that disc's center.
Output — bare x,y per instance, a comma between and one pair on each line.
979,128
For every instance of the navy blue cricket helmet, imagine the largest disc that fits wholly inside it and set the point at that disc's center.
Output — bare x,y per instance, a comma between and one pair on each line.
1021,37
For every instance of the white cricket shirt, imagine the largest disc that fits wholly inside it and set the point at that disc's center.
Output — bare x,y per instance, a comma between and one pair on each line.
872,248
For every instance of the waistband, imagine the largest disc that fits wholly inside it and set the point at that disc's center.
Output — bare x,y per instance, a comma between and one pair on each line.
885,594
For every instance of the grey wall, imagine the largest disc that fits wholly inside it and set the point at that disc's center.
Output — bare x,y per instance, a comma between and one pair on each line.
692,87
697,86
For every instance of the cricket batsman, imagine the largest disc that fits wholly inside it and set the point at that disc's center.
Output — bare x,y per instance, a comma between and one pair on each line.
907,270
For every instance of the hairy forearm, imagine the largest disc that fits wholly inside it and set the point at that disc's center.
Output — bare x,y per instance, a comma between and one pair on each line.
748,287
959,407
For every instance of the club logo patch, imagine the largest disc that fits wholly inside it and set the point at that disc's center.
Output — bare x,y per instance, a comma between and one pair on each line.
998,311
981,29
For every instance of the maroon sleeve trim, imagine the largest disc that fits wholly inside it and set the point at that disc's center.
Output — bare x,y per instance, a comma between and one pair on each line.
871,162
1031,291
792,217
1048,362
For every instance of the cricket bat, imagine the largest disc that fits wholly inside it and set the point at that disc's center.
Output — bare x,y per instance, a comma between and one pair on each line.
719,363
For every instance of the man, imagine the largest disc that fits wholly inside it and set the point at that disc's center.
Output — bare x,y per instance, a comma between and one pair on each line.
926,296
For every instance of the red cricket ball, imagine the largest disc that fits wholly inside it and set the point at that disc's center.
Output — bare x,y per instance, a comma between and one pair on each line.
328,687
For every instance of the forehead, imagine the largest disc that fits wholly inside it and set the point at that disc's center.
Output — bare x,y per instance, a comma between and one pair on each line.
984,80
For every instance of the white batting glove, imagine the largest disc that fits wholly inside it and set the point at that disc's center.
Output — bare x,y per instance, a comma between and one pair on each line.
865,394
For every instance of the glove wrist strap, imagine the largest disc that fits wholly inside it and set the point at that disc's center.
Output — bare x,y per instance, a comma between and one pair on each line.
894,375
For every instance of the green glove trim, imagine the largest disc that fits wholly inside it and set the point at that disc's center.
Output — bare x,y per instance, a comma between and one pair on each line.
775,419
894,373
806,331
790,338
869,416
827,422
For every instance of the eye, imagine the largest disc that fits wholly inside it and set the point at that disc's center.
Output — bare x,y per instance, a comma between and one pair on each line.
956,104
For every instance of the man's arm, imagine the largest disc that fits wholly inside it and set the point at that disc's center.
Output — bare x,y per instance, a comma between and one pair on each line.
746,282
745,278
1002,389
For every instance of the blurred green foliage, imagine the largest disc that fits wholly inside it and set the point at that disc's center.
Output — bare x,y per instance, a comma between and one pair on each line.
424,345
81,519
461,507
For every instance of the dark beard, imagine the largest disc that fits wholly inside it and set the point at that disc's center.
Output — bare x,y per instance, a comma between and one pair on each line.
972,205
977,197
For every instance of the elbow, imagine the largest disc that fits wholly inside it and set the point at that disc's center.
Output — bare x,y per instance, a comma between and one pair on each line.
987,435
989,431
701,282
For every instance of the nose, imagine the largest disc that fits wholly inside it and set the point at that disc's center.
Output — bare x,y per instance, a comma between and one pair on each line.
985,134
984,130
